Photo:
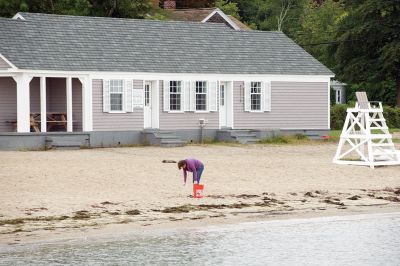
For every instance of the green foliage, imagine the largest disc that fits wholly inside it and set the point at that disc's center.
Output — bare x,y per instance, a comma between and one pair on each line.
338,116
286,139
228,8
383,91
319,24
367,47
332,96
102,8
265,14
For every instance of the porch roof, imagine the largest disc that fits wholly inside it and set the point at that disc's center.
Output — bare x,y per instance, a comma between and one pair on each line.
73,43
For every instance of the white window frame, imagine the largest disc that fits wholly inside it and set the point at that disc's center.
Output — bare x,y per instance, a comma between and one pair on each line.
205,93
122,96
181,110
256,93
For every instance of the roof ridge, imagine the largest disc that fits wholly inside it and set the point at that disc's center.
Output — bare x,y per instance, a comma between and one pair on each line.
210,25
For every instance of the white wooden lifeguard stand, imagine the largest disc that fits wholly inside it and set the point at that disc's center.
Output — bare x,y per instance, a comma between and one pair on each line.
365,138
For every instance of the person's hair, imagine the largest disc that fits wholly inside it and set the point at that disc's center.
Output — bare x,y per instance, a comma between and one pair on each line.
181,164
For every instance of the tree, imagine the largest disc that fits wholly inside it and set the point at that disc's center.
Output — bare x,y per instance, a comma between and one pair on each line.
367,47
282,15
286,6
102,8
319,24
228,8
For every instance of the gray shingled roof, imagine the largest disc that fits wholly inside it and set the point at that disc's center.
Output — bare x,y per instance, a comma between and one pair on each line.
71,43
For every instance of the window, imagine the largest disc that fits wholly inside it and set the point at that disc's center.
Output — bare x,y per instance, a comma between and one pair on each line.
147,95
201,95
222,95
338,96
255,96
175,95
116,94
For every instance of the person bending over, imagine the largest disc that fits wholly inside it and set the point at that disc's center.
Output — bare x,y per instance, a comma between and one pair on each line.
191,165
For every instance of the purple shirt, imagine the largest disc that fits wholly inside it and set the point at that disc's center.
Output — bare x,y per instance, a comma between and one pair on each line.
191,165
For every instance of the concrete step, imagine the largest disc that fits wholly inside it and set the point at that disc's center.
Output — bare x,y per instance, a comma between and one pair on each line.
65,145
248,140
172,143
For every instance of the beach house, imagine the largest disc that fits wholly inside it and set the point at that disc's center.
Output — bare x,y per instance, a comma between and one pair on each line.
94,81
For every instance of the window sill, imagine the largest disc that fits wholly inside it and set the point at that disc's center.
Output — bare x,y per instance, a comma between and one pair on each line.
202,112
175,112
256,111
117,112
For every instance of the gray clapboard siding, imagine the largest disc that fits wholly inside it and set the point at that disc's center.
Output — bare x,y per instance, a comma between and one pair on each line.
114,122
186,120
35,95
300,105
4,65
8,103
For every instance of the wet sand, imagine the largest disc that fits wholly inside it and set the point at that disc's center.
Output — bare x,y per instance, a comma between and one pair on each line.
57,194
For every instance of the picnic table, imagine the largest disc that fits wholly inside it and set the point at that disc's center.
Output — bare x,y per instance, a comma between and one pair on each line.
54,120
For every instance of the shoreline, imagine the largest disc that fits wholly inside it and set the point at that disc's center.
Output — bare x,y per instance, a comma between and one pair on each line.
115,230
112,232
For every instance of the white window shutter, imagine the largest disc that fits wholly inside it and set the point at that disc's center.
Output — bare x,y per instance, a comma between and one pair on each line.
128,87
247,103
193,96
212,96
267,97
186,95
263,97
106,95
166,95
137,98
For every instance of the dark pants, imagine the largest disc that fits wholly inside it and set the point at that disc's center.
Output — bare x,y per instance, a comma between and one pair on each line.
199,173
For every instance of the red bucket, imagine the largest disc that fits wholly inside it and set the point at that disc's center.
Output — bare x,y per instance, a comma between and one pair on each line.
198,191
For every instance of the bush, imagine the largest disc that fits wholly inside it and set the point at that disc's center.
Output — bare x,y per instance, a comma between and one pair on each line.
338,115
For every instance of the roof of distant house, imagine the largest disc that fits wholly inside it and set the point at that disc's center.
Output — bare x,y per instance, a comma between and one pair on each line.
199,14
74,43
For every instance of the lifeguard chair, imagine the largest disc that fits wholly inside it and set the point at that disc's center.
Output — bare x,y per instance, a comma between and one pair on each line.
365,138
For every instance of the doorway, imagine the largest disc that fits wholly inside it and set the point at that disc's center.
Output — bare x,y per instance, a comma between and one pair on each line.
151,110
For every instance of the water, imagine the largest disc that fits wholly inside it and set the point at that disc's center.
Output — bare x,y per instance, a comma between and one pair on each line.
353,240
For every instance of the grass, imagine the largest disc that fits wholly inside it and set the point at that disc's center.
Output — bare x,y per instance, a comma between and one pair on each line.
335,134
284,139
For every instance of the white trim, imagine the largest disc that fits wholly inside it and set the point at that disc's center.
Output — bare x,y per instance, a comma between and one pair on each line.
23,103
117,112
87,106
224,16
13,67
18,16
69,104
329,103
176,112
156,117
232,106
172,76
43,112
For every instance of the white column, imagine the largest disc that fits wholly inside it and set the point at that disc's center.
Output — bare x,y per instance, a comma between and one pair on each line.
87,107
23,103
43,111
69,104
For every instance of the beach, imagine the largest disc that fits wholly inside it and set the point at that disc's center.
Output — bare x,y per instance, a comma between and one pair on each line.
55,194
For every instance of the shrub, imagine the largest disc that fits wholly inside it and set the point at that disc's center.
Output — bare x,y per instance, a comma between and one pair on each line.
338,116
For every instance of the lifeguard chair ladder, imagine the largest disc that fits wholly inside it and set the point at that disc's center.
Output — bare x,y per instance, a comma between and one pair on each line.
367,135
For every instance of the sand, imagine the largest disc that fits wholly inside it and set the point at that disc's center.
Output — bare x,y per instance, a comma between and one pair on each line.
46,194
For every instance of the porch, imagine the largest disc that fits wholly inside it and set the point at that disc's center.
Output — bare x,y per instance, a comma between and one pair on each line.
40,104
